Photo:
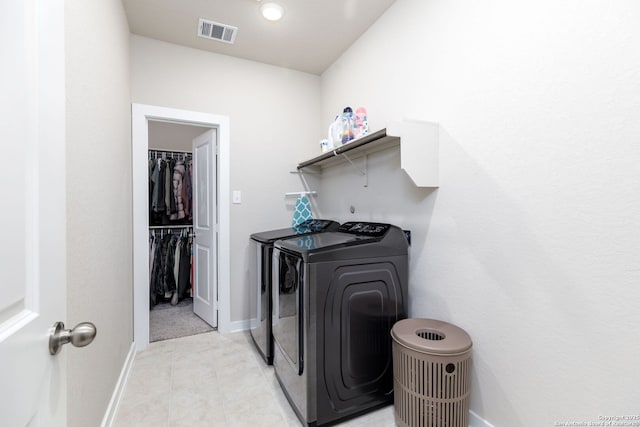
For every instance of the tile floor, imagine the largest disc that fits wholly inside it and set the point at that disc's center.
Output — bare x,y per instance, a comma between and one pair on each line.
211,380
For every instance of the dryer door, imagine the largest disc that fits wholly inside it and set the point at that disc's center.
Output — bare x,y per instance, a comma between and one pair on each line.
363,303
287,291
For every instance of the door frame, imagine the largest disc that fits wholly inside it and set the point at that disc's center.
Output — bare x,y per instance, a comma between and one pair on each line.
141,114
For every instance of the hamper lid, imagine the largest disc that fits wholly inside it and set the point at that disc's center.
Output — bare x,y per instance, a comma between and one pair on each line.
431,336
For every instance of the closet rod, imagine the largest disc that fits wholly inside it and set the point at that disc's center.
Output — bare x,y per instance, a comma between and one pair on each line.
170,151
181,155
159,227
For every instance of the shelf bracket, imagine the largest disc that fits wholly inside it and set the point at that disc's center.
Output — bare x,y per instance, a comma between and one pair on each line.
354,165
364,172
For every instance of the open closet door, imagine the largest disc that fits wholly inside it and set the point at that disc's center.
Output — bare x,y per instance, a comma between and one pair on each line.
205,227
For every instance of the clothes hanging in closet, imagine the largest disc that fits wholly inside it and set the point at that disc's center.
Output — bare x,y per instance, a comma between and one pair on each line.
170,191
179,170
170,266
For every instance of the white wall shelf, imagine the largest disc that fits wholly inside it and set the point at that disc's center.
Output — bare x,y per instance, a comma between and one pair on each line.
418,142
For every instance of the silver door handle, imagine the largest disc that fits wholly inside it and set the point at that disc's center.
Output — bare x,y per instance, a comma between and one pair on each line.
80,336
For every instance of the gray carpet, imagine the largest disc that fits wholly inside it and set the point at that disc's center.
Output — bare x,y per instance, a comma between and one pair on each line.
167,321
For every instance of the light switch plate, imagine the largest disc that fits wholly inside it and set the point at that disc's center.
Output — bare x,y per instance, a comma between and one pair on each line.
237,197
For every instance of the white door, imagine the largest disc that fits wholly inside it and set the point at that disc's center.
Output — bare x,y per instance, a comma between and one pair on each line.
205,227
32,253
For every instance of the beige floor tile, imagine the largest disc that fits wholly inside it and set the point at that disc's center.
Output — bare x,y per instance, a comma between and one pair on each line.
147,383
211,380
244,389
380,418
196,382
255,418
194,344
193,366
156,353
149,413
154,356
239,370
263,402
194,407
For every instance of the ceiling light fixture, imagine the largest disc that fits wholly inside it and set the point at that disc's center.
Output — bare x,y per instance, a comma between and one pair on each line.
272,11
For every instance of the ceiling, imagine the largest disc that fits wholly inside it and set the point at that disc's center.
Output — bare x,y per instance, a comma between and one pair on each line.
310,37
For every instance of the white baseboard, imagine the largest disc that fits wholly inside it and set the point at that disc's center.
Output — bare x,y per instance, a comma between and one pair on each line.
476,421
239,325
110,415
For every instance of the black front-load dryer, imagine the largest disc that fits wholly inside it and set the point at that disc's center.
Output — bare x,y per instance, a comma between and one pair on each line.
336,296
261,266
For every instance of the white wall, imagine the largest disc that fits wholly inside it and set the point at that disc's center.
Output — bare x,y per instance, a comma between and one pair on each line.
273,118
173,136
99,228
531,243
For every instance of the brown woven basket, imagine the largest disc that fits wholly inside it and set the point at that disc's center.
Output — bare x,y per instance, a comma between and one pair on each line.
431,373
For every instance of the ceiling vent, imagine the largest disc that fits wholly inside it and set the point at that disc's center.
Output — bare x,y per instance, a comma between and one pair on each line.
216,31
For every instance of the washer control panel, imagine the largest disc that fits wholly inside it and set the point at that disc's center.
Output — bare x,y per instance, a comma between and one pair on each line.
312,225
373,229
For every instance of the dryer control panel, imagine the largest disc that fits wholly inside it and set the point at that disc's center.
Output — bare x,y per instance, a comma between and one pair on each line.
372,229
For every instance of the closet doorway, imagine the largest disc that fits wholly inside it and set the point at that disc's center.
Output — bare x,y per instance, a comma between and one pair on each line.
197,142
181,296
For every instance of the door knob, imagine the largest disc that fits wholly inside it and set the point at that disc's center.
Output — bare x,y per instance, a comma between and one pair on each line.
83,334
